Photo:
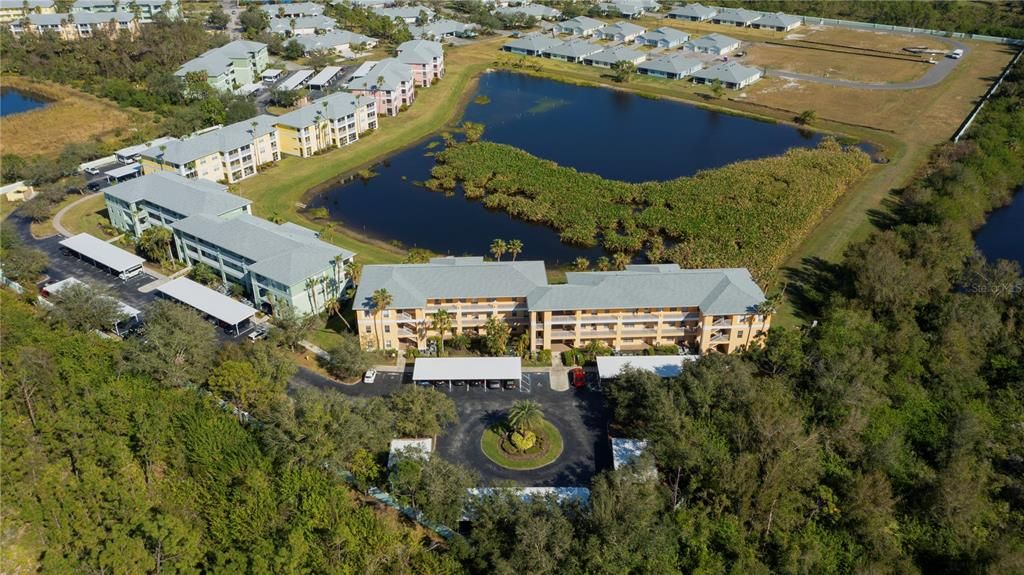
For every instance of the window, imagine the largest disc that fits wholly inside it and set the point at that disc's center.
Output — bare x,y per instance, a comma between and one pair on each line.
367,329
387,329
387,313
387,344
739,334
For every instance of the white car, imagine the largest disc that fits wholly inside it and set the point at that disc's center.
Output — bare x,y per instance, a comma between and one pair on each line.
370,376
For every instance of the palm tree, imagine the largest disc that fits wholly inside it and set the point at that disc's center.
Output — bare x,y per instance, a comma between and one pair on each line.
354,270
381,300
441,321
255,148
620,260
311,284
523,344
333,307
763,309
603,264
525,415
581,264
515,247
498,249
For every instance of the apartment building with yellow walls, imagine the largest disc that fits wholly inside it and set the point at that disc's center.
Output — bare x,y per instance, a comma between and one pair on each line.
332,121
11,10
223,154
630,310
76,26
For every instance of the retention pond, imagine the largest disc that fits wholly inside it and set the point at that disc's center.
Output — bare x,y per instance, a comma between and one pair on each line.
608,132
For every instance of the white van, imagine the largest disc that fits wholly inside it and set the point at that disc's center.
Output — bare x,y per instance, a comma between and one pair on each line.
956,54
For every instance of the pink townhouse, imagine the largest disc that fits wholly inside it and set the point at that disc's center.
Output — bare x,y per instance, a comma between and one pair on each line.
425,57
390,83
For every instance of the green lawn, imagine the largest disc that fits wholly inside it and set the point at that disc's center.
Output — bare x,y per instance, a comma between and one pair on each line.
489,443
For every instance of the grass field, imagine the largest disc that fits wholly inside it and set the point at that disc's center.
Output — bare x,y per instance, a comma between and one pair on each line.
858,68
490,445
869,39
90,216
73,116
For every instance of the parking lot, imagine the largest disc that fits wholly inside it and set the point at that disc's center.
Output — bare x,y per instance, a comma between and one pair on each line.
580,415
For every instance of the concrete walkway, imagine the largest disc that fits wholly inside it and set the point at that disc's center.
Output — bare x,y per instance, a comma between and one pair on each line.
57,225
936,73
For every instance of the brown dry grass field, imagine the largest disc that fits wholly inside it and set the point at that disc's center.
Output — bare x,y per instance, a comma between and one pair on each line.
868,39
73,116
828,64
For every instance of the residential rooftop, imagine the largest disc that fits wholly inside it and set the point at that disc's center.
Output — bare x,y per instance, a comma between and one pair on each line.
673,63
695,10
574,49
404,12
667,34
393,72
714,291
317,21
216,61
80,18
178,194
728,73
19,4
714,40
331,39
778,20
584,22
535,10
293,9
286,253
617,54
222,140
336,105
624,28
420,51
536,42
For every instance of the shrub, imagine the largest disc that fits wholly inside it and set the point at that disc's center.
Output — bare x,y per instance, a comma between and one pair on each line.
411,353
460,342
544,356
523,440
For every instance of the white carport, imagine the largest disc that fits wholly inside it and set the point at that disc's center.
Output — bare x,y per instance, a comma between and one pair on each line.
609,367
449,369
208,302
127,311
121,173
122,263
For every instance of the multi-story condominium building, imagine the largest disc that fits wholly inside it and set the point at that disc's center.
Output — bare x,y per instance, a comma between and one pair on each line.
229,154
162,198
302,25
276,264
146,9
425,57
11,10
293,10
232,65
74,26
630,310
332,121
390,83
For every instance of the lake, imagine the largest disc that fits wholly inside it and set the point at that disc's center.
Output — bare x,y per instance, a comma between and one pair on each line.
15,102
607,132
1002,236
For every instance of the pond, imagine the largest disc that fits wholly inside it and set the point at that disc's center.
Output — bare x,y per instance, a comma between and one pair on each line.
611,133
1002,236
14,102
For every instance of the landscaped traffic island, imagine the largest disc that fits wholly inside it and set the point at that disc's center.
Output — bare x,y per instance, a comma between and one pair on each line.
524,441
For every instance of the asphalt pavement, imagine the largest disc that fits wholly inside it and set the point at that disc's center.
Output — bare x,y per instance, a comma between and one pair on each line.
580,416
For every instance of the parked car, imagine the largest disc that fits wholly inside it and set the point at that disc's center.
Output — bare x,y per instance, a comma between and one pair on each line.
493,384
956,54
459,383
511,384
258,333
577,377
370,376
92,171
93,186
475,383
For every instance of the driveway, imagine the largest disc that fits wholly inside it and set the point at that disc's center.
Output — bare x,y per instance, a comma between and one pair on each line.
581,417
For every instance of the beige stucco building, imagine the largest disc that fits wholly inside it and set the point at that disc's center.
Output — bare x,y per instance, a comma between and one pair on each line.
629,310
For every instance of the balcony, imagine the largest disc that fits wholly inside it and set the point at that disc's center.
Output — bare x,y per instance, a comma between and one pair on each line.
719,338
721,323
402,332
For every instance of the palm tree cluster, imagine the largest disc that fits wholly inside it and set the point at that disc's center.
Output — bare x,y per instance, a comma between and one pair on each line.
525,415
500,247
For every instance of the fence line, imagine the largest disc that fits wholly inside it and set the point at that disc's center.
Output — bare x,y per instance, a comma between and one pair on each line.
813,20
984,100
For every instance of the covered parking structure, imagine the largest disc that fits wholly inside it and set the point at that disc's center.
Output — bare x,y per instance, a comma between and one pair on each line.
208,302
121,263
452,369
610,367
129,315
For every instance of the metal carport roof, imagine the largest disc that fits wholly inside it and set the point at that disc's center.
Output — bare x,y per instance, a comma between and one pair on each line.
456,368
662,365
103,253
208,301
